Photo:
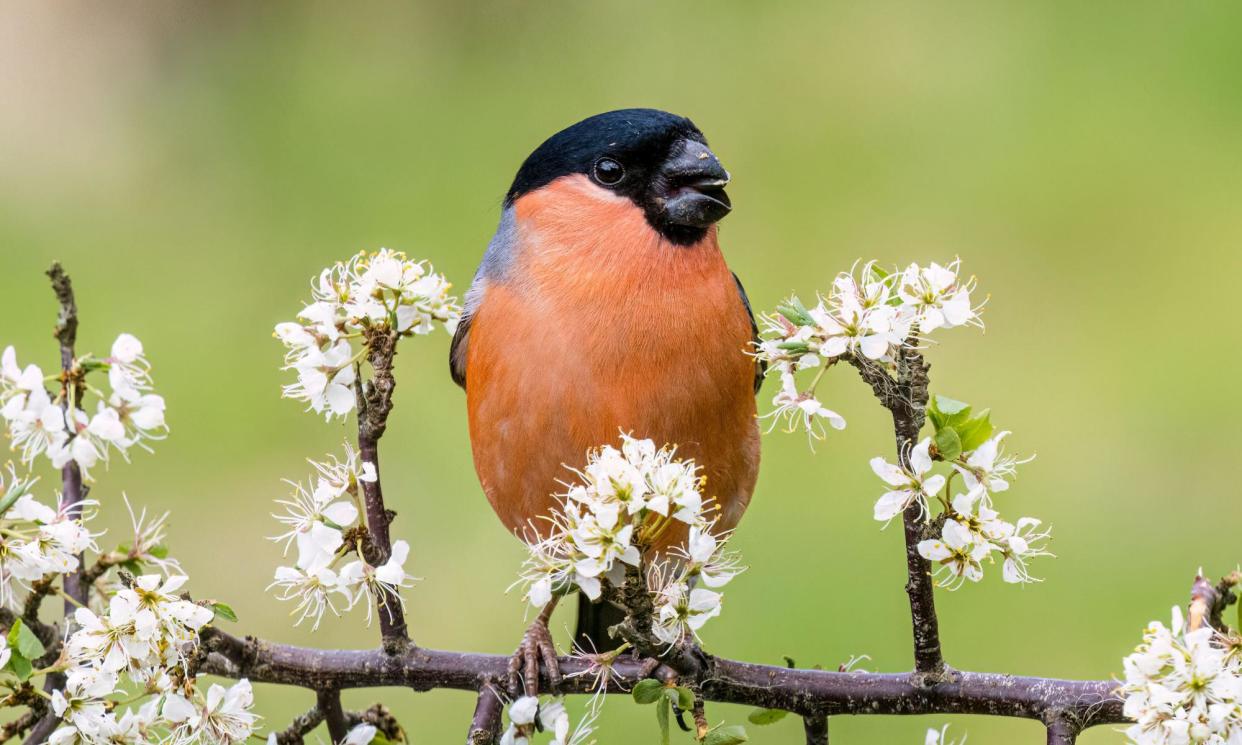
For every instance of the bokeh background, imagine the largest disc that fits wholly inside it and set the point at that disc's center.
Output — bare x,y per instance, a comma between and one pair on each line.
194,164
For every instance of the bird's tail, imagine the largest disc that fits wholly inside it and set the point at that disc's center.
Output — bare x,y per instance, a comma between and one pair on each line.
594,620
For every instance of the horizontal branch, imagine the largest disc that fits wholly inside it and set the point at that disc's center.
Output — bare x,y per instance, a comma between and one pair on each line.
804,692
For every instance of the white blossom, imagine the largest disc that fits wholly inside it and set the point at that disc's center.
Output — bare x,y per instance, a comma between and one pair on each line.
868,316
366,294
360,734
911,485
1182,686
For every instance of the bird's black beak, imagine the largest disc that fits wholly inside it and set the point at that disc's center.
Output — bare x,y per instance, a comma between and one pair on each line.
694,183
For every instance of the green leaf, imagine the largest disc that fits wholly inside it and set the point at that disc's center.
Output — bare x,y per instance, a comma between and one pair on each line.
685,698
380,739
946,412
975,431
662,718
24,642
948,444
731,735
223,610
20,666
159,551
766,716
647,691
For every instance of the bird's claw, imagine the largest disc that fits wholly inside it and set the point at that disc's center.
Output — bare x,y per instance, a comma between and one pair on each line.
536,649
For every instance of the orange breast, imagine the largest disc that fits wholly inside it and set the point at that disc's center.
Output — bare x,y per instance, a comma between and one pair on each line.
600,326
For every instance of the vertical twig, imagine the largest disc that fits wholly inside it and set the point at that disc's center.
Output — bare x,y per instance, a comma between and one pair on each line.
329,704
485,725
75,586
909,412
66,332
816,726
374,405
1061,732
906,400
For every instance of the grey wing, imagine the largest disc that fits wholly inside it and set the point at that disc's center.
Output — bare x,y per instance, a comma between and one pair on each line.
495,263
761,367
457,351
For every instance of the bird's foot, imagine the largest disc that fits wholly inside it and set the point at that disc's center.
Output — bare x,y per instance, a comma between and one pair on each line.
536,649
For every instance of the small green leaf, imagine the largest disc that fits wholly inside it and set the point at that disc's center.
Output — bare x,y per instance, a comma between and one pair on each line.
380,739
948,444
731,735
159,551
685,698
647,691
24,642
20,666
946,412
662,719
975,431
223,610
766,716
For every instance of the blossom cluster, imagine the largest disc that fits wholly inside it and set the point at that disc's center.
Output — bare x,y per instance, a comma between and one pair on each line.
319,515
972,531
868,315
622,507
37,542
527,716
1184,686
351,300
128,415
144,640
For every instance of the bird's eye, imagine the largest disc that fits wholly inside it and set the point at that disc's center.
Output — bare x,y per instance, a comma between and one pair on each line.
608,171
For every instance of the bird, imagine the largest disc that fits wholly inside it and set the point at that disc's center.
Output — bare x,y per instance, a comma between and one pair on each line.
603,304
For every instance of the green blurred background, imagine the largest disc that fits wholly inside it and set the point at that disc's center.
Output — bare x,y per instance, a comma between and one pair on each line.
195,164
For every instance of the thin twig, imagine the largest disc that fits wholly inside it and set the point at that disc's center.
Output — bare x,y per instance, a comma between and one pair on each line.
1062,732
19,725
296,732
816,727
374,405
906,399
328,702
485,724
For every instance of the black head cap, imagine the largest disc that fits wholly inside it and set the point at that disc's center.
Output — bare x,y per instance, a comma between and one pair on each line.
658,160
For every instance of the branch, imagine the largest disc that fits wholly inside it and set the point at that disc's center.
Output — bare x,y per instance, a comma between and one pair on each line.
329,704
1062,732
803,692
374,405
485,725
299,727
816,727
72,493
19,725
906,400
1208,602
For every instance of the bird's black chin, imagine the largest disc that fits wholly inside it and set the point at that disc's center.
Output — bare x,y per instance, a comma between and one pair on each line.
692,195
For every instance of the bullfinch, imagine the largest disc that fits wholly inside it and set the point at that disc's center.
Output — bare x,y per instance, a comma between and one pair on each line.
603,304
